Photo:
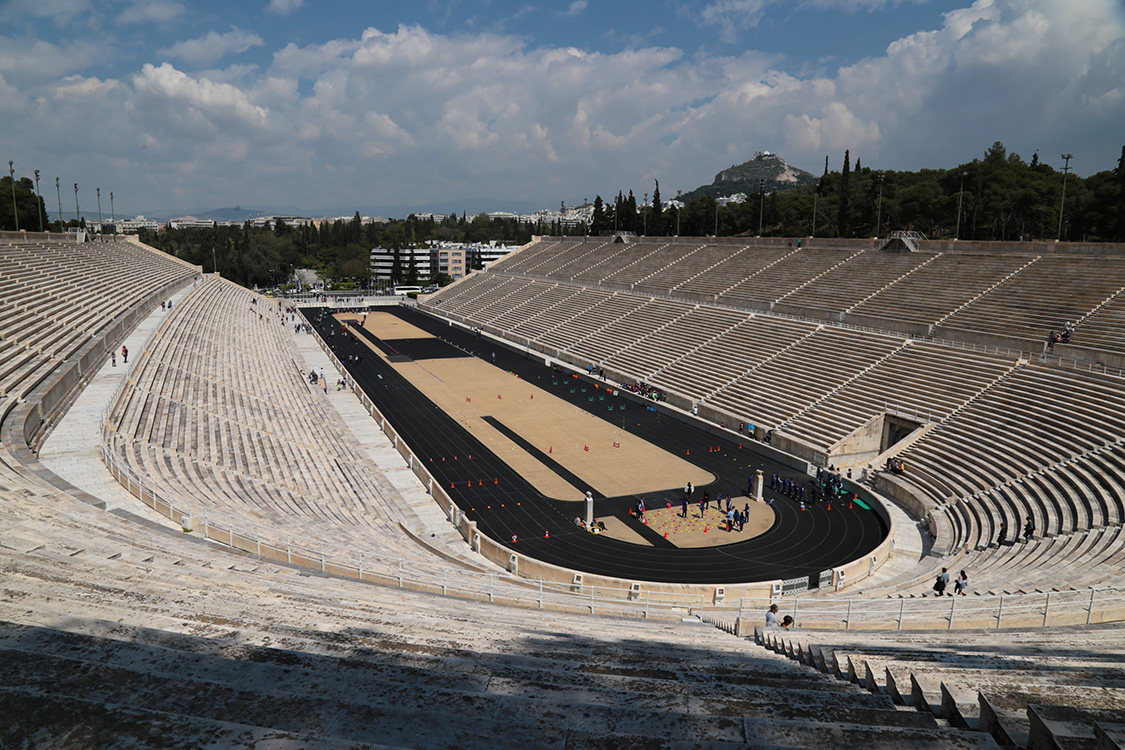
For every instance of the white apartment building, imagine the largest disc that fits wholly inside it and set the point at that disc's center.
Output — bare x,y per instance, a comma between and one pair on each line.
190,222
136,224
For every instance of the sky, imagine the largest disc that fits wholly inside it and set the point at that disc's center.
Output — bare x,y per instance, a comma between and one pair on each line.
335,105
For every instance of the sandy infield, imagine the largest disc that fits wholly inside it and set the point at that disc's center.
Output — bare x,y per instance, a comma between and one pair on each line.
600,453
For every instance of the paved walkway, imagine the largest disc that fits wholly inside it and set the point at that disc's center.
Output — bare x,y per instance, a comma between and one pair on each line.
73,449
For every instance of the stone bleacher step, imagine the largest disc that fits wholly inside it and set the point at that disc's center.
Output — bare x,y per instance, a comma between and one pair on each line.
1069,727
841,735
1110,735
263,687
69,721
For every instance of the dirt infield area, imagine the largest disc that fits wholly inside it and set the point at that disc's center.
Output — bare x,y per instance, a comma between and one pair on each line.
700,528
469,389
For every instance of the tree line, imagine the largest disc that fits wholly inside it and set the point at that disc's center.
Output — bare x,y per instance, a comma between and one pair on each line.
266,256
999,196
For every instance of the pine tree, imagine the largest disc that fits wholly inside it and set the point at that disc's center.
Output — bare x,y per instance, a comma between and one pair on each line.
656,220
598,222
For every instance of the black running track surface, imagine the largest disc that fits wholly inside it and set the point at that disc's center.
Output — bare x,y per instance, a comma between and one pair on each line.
504,505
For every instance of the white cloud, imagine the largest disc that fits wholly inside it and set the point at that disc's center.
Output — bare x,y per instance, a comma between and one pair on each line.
284,7
731,17
213,46
34,61
412,115
60,10
576,8
172,102
150,11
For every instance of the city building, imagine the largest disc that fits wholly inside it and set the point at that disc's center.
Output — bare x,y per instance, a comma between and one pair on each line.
190,222
136,224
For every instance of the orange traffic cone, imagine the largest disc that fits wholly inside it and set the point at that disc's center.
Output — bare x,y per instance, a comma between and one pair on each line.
546,534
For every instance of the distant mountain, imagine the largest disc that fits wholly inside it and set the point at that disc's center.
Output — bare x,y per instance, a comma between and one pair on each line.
745,177
468,206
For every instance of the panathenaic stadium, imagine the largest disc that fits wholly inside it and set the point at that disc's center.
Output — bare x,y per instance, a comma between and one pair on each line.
344,523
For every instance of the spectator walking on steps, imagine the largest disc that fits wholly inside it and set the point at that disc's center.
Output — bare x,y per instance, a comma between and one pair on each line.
941,582
1028,529
961,584
124,354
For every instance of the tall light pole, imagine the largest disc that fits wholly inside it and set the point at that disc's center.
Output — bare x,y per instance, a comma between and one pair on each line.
879,214
58,196
960,196
99,192
761,203
585,224
646,214
15,211
112,218
1062,205
716,217
77,213
38,201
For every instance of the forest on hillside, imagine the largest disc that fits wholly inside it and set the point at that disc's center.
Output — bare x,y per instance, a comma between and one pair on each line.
999,196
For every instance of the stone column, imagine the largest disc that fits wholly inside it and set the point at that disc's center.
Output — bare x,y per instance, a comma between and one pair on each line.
589,508
758,485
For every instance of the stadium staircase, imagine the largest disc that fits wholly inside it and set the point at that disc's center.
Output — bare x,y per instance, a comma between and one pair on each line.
1036,689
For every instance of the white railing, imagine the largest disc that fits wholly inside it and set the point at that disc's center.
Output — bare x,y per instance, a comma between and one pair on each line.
1039,609
269,543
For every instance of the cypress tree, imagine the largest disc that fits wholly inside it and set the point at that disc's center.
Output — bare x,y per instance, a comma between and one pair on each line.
842,224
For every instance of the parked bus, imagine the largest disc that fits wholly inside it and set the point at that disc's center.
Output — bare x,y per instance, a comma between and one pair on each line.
402,291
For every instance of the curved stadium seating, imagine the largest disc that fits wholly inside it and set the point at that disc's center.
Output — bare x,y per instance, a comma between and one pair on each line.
758,335
117,632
